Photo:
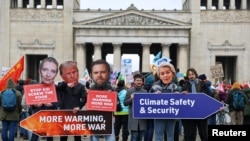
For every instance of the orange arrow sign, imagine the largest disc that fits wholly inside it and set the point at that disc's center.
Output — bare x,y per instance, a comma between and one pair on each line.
66,123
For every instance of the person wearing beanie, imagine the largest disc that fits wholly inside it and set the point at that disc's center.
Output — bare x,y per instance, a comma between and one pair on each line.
202,77
235,114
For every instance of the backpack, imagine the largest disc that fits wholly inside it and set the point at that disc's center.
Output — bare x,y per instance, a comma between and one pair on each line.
9,100
238,100
119,104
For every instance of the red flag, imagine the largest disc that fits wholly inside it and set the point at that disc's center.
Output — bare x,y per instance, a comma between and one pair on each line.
14,73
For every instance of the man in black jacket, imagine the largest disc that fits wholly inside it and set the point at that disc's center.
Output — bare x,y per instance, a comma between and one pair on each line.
71,93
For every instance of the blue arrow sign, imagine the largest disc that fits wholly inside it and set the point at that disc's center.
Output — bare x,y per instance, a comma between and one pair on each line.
174,106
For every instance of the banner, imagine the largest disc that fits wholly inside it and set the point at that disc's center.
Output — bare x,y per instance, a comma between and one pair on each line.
66,123
14,73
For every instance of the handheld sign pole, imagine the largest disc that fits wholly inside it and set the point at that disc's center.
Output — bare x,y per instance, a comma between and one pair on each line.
174,106
65,123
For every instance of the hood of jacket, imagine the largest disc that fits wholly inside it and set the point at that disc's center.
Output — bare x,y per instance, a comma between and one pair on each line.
10,84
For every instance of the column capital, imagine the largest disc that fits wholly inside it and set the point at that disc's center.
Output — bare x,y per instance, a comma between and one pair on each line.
97,44
183,45
117,44
146,44
165,44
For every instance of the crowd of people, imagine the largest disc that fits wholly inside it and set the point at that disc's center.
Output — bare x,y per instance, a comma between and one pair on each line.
72,95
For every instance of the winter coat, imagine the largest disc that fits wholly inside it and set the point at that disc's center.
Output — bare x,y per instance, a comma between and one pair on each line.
14,115
121,95
247,106
133,124
229,99
69,98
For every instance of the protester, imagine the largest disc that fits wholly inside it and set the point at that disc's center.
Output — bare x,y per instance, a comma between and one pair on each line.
71,93
26,109
149,133
246,118
235,114
166,73
48,70
121,117
100,73
10,119
203,77
194,85
137,127
23,132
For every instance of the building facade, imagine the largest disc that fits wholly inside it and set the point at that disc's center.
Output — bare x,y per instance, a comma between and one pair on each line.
202,34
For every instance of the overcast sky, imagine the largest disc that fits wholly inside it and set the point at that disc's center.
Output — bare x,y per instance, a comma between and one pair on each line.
124,4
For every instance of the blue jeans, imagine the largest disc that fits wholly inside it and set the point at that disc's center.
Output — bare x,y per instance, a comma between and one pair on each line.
23,131
164,125
136,135
148,135
9,130
212,120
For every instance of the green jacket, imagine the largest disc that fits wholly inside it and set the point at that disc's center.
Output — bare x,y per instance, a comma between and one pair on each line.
12,116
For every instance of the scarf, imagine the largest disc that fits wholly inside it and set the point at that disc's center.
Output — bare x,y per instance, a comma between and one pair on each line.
193,83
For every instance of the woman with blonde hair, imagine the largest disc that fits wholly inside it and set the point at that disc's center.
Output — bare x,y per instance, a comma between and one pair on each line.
166,73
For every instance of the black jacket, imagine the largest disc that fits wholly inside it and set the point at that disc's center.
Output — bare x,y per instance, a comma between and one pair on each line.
69,98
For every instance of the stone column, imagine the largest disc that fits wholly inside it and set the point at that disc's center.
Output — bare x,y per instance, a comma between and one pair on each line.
81,57
165,50
243,4
42,4
97,51
182,58
232,4
220,4
54,4
117,56
31,3
20,3
146,57
209,4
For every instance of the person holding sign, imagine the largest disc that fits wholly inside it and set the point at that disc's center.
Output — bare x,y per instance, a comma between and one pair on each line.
48,70
166,74
194,85
100,73
137,127
71,93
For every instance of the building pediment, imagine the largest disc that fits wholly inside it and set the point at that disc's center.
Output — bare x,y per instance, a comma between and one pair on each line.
131,17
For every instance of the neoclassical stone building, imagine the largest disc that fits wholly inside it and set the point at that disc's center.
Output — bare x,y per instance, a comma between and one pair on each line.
204,33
